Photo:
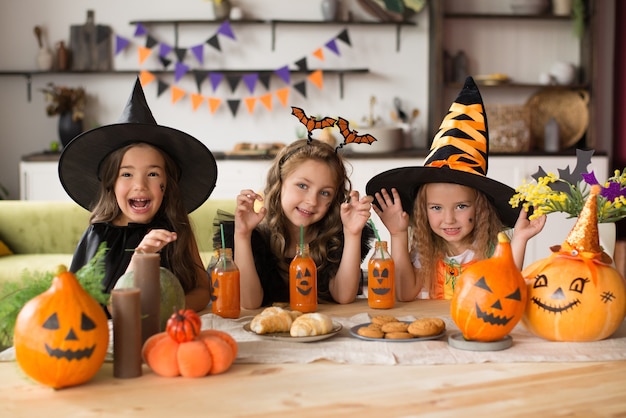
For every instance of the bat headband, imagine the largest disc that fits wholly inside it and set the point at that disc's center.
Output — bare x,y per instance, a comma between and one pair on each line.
349,136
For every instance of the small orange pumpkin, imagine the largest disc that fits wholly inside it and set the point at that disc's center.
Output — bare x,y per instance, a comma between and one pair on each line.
61,336
211,352
575,294
489,296
184,325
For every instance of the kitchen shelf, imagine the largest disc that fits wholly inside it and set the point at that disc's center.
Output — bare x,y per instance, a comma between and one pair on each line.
441,37
274,23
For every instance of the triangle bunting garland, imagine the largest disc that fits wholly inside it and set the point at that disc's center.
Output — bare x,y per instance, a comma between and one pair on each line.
215,78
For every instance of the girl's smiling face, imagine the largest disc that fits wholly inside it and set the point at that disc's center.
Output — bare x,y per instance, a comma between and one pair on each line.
451,212
307,193
140,185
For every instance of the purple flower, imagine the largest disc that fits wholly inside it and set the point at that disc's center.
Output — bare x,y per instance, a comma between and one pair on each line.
590,178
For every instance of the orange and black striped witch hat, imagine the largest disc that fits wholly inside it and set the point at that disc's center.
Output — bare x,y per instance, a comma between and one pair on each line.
458,154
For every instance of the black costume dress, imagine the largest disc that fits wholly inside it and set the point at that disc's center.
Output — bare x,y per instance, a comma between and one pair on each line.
276,286
121,241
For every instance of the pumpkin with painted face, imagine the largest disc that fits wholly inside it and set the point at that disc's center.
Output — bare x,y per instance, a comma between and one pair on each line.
489,296
61,336
575,294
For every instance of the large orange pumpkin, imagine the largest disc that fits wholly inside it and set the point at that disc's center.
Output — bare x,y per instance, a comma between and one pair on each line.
489,296
61,336
575,294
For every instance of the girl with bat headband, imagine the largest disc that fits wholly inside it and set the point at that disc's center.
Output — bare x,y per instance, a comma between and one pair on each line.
307,185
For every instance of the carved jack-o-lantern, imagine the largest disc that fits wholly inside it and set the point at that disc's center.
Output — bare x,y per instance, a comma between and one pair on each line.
575,294
61,336
489,296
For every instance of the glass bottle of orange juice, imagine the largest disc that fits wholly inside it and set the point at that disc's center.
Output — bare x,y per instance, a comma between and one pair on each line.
225,286
381,278
303,281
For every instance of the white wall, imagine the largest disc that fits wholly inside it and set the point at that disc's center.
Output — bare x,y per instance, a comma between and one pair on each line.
26,128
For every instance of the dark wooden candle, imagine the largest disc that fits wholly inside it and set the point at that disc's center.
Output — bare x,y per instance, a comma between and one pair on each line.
126,307
147,279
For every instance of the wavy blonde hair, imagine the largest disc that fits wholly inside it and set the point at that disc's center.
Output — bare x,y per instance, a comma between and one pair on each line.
106,210
328,230
430,247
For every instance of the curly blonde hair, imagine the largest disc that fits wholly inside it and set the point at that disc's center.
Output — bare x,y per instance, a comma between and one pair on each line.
430,247
328,230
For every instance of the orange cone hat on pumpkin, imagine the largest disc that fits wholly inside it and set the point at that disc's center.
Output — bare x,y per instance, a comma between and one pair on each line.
584,237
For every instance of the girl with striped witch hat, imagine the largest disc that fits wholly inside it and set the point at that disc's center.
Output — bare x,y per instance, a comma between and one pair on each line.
454,210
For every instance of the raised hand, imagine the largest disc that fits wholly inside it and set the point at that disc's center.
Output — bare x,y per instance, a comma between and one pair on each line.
356,212
246,218
392,215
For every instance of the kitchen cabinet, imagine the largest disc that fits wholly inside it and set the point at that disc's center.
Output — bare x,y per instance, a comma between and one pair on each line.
39,180
528,47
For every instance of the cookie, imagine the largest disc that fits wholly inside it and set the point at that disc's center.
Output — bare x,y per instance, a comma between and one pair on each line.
381,319
398,335
426,327
395,326
370,332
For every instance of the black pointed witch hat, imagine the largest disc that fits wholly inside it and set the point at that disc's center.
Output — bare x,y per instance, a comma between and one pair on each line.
80,161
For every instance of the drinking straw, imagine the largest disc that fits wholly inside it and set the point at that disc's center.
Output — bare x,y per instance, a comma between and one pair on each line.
369,221
302,237
223,242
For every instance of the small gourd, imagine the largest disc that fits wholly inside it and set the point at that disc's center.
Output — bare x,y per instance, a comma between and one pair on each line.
575,294
489,296
184,325
61,336
173,353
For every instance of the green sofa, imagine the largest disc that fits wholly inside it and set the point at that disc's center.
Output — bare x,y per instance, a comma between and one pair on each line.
43,235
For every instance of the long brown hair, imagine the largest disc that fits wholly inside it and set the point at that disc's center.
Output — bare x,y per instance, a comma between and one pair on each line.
328,230
106,210
431,248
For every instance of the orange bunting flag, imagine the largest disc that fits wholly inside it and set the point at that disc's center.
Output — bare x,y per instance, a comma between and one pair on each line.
146,77
317,78
196,100
177,94
319,54
266,100
283,95
144,53
214,103
250,102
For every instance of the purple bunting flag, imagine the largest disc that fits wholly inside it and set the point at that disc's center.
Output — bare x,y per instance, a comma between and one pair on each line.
140,30
284,74
120,44
332,45
226,30
215,79
180,71
250,80
164,49
198,52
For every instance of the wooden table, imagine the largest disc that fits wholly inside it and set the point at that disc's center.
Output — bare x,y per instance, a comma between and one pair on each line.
336,390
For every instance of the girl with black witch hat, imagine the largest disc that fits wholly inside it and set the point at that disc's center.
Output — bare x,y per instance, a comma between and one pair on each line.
140,180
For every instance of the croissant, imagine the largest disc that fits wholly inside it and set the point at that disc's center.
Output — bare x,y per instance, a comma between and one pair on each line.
273,319
311,324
